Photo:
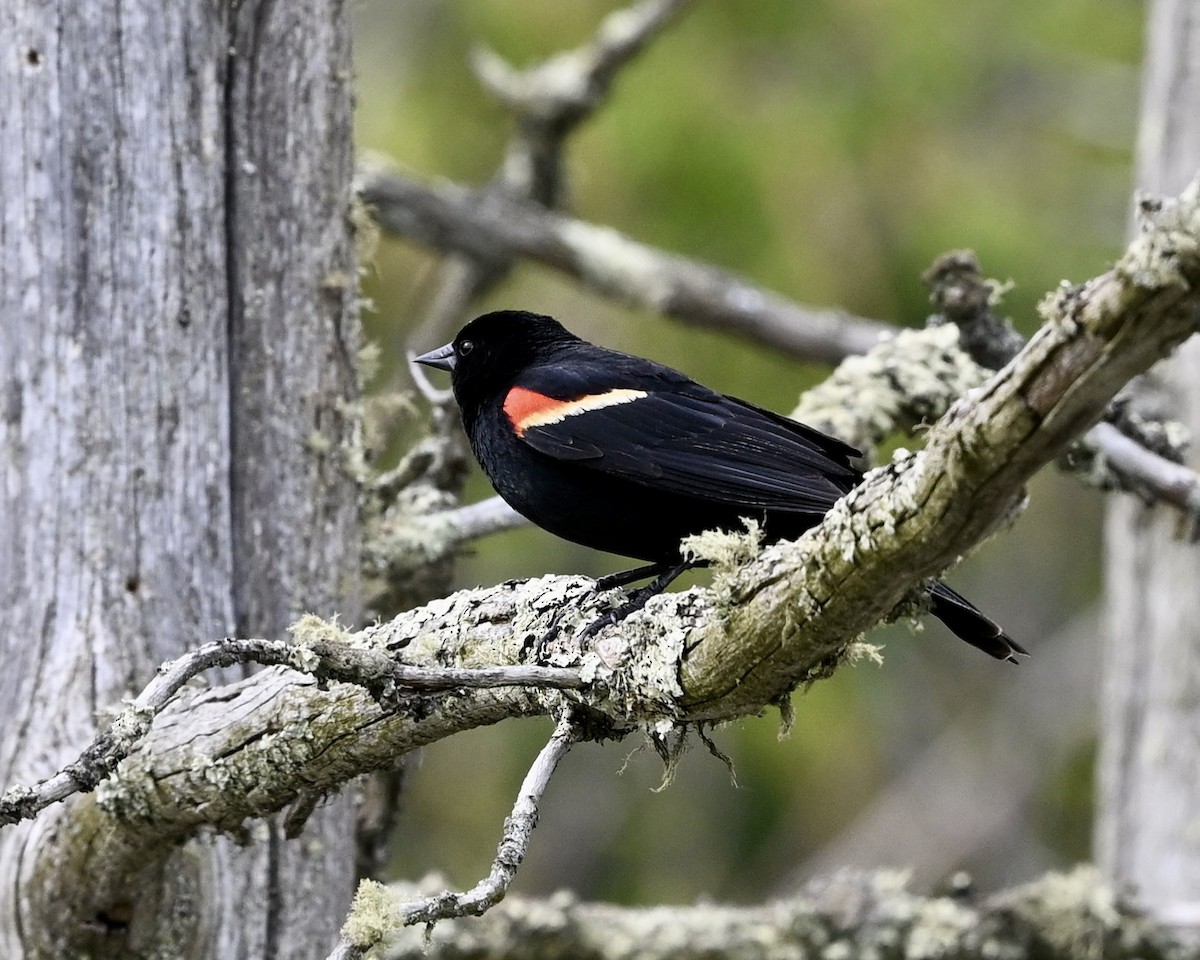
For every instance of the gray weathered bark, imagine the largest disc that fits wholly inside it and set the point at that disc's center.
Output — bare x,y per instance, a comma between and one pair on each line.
178,302
1149,777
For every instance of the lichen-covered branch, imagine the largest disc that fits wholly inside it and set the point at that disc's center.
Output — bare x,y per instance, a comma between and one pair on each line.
907,379
1058,917
320,650
1127,452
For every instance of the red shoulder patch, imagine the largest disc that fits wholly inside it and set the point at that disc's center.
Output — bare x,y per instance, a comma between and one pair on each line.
521,406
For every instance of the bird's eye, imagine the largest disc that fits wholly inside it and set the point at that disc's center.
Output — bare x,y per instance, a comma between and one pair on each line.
465,347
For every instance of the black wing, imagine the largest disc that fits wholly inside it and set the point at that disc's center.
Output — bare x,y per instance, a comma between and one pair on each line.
681,437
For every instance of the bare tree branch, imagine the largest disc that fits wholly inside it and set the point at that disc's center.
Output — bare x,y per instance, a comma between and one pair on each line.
548,102
448,217
551,99
366,928
1153,476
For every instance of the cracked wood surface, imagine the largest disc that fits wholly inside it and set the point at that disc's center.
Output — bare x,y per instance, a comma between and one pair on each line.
178,293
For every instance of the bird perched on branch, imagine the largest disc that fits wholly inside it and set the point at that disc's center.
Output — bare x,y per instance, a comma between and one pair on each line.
626,455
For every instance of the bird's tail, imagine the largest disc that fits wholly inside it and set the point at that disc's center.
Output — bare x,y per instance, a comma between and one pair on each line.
968,623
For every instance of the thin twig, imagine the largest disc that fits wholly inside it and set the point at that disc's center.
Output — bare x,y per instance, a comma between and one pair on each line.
434,396
1149,474
358,937
480,519
518,830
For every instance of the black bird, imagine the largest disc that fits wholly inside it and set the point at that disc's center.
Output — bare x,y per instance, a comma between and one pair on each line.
626,455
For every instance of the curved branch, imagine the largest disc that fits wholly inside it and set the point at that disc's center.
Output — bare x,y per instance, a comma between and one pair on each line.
548,101
485,225
376,917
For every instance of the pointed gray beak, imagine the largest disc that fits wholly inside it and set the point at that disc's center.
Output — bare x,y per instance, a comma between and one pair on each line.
440,359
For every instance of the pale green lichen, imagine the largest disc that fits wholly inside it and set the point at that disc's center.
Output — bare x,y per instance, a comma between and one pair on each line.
367,360
939,928
129,794
372,919
903,381
318,442
366,228
1153,260
311,629
305,660
383,413
1076,911
639,665
726,552
130,726
1084,891
414,532
859,651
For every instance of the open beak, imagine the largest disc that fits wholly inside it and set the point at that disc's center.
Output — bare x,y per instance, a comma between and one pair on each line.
440,359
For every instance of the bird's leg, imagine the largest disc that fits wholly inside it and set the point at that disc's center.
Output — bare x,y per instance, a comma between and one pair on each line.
638,598
625,577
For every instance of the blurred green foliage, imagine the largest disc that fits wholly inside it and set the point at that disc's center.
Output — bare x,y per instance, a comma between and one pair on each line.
827,150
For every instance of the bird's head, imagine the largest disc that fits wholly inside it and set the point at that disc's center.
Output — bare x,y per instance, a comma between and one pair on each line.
490,350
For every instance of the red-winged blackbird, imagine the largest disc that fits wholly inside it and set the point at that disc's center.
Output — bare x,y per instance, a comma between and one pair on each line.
626,455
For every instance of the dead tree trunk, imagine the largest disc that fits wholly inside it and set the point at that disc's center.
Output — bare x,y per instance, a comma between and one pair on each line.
178,332
1147,829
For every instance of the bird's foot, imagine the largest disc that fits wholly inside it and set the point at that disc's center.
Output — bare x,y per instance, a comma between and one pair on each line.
663,575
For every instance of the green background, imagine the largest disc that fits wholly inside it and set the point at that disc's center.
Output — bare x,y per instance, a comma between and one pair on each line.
828,151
